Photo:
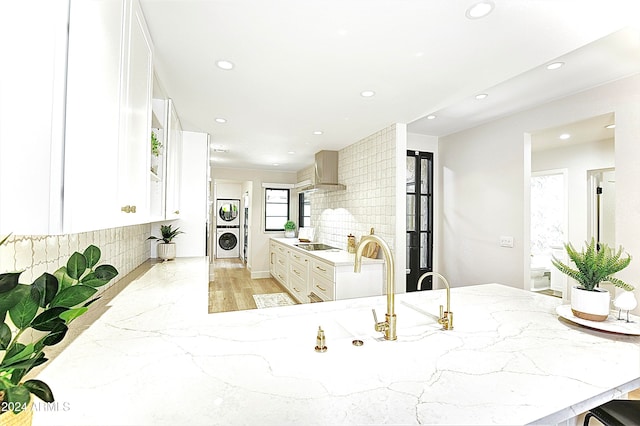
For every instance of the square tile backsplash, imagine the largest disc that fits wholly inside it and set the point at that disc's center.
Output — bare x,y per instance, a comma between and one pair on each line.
125,248
368,169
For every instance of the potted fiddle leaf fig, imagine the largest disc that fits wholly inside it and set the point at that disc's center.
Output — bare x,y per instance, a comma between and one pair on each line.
37,316
166,246
290,229
595,264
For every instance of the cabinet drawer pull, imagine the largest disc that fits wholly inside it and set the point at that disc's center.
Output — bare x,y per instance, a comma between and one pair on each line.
295,289
319,268
321,288
126,209
295,271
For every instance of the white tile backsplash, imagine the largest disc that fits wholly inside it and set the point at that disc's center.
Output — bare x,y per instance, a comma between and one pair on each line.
367,168
125,248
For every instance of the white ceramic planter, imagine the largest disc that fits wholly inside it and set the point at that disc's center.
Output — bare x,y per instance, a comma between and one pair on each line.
590,305
289,233
167,251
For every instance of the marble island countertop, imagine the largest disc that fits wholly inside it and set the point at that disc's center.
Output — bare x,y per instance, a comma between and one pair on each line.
157,358
336,257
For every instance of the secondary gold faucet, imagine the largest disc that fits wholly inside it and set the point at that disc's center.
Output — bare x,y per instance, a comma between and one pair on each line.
446,317
388,327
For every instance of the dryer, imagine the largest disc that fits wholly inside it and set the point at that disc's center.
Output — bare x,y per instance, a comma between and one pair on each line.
227,212
227,243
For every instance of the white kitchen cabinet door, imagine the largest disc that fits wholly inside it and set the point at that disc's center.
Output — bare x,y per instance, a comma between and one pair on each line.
91,159
135,127
32,79
174,163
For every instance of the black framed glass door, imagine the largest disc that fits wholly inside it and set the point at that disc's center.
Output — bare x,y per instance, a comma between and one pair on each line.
419,218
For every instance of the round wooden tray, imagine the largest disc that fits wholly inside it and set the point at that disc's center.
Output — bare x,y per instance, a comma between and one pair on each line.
611,324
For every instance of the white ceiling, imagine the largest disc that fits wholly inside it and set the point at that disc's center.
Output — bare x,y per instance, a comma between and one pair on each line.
300,66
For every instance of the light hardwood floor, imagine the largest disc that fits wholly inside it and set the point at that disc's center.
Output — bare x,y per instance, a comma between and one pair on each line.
232,288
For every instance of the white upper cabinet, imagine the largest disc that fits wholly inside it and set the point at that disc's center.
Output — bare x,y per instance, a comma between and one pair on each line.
135,127
75,114
32,93
93,118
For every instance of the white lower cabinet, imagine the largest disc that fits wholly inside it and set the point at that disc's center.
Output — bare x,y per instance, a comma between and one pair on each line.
310,279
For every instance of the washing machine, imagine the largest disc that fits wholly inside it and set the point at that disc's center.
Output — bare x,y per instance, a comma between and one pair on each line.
227,212
227,245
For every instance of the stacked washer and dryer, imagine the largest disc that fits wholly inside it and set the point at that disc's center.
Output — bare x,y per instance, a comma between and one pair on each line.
227,228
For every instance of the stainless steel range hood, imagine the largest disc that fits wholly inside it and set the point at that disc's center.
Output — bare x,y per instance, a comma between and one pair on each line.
325,176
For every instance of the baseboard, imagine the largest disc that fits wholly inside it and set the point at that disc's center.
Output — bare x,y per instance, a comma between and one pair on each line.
260,274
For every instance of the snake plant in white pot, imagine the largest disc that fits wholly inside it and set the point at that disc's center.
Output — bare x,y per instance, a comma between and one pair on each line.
595,264
166,246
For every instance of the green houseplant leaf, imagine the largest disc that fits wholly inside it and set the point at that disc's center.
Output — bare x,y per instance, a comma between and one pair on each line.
44,289
5,336
39,389
76,265
72,296
64,280
48,319
9,281
92,256
24,312
11,298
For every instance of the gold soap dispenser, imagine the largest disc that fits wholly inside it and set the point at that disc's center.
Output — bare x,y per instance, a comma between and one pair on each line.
351,243
320,343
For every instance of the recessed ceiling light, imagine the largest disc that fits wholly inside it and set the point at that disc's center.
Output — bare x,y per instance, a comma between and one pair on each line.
221,120
367,93
479,9
276,164
565,136
431,117
481,96
555,65
610,126
291,152
225,65
317,132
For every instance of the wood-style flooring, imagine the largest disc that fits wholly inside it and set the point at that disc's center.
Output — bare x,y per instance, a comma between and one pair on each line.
232,288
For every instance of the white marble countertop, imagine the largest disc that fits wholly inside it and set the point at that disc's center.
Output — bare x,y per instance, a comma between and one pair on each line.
157,358
336,257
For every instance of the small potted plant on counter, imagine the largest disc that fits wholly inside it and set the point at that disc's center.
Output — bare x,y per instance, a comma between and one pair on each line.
166,246
36,316
290,229
593,265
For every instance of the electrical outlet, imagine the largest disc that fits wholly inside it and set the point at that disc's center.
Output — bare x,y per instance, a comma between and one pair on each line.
506,242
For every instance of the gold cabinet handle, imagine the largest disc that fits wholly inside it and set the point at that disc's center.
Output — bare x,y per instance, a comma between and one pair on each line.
295,271
176,212
133,209
126,209
295,289
319,268
321,288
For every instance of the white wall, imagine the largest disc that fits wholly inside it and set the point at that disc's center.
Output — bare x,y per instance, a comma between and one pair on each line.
578,161
484,171
193,195
258,239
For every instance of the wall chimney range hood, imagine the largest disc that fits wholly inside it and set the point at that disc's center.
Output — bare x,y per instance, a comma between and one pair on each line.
325,174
